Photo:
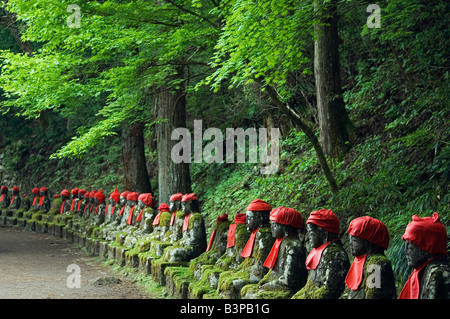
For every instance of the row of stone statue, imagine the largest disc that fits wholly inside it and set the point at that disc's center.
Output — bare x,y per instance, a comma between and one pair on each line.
261,254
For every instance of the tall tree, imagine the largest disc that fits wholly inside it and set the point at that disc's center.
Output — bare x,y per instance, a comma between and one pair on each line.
334,123
133,158
171,108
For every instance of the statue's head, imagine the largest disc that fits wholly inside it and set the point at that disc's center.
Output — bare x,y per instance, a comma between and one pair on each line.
132,198
175,202
81,193
322,226
425,237
285,221
190,204
367,235
258,212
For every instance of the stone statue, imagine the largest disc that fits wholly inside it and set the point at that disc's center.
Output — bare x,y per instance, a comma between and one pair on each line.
44,201
132,199
370,276
35,203
217,245
327,262
176,221
81,203
193,241
144,213
26,204
65,205
237,237
426,252
111,204
4,197
159,229
286,259
258,246
99,210
73,199
16,201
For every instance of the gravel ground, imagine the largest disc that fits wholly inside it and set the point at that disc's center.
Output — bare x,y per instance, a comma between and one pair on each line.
35,266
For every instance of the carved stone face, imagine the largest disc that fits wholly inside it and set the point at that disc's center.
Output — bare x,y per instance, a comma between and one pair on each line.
174,205
279,230
316,235
131,203
359,246
122,200
186,207
252,220
141,204
415,256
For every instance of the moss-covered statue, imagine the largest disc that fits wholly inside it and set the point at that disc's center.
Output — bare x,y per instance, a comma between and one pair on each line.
99,207
176,220
111,205
128,214
286,259
370,276
65,205
16,200
81,202
237,237
44,201
327,262
4,197
73,199
193,241
217,245
255,252
25,203
426,252
35,202
144,213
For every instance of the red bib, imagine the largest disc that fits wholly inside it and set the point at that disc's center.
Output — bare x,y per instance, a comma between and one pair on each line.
273,255
231,235
355,273
186,222
156,220
130,215
248,249
411,289
140,216
314,256
61,209
211,240
73,203
172,219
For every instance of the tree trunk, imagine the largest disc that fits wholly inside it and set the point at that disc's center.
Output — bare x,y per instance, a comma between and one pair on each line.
133,158
334,123
170,106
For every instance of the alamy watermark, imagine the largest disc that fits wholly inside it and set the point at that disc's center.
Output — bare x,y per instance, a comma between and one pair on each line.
374,19
74,20
258,146
74,279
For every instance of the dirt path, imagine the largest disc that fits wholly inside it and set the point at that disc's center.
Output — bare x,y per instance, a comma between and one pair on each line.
35,266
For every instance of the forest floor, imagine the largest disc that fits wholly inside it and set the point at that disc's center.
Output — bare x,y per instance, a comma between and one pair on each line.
35,266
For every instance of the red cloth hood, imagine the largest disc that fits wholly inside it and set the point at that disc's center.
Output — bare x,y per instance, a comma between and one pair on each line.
147,199
258,205
370,229
287,216
427,233
189,197
163,207
240,218
326,219
176,197
65,192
